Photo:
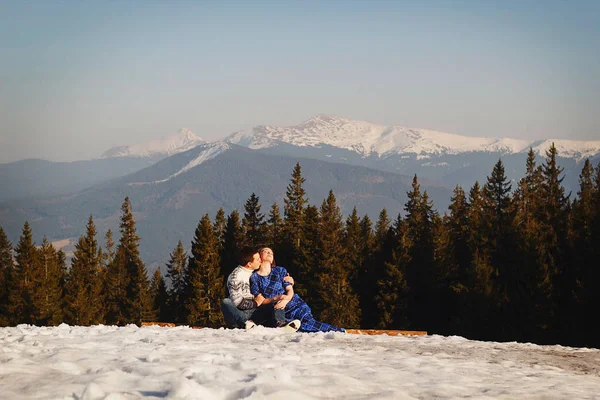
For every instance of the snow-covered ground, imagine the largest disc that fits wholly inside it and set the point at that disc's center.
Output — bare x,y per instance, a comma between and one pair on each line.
107,362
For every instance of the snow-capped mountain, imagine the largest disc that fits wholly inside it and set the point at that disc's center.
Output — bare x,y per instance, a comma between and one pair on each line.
177,142
370,139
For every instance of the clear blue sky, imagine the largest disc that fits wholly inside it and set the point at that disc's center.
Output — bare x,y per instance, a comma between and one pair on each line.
78,77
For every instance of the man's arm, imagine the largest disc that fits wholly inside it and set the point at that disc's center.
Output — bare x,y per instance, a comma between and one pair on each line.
235,286
288,279
247,304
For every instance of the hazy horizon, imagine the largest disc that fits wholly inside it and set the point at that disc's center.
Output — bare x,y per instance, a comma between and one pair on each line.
77,79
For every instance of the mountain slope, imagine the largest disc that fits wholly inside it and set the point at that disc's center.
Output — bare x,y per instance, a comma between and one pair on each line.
175,143
36,178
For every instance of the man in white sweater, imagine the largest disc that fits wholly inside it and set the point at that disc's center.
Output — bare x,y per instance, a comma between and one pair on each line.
239,309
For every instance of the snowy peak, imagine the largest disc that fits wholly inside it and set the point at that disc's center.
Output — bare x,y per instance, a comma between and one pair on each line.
367,138
321,129
576,149
174,143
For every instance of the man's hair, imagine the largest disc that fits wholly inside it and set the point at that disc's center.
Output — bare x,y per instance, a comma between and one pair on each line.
246,255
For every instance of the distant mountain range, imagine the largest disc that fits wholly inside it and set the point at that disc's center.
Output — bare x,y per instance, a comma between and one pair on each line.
173,181
369,139
175,143
446,158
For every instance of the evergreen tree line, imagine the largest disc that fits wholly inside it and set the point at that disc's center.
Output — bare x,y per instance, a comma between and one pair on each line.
504,263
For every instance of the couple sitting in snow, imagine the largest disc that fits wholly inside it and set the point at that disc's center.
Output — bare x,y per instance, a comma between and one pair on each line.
262,293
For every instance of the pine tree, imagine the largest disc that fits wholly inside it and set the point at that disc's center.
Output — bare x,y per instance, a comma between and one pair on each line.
293,211
109,254
126,277
219,227
63,273
365,297
138,304
554,258
232,244
583,216
306,280
341,306
531,188
176,268
457,226
446,286
84,288
593,275
382,227
48,293
583,248
527,229
253,223
366,236
497,200
479,313
274,228
419,274
509,281
453,263
374,270
22,279
6,267
204,285
355,247
115,285
391,296
158,297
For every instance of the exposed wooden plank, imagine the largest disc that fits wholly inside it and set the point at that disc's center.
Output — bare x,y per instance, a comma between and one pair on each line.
163,324
385,332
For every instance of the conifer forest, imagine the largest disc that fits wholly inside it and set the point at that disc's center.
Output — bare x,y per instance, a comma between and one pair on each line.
506,262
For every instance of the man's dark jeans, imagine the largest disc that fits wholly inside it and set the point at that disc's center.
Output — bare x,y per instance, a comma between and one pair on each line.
266,315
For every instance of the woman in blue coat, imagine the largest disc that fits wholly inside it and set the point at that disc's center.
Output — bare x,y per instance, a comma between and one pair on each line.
267,285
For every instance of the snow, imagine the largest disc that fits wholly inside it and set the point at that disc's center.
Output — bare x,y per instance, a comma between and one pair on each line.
569,148
362,137
108,362
211,151
367,138
178,142
430,164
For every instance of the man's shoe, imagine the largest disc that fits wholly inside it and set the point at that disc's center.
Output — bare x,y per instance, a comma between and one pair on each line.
250,324
291,326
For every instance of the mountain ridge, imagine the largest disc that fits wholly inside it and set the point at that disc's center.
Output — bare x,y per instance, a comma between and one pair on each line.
369,139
